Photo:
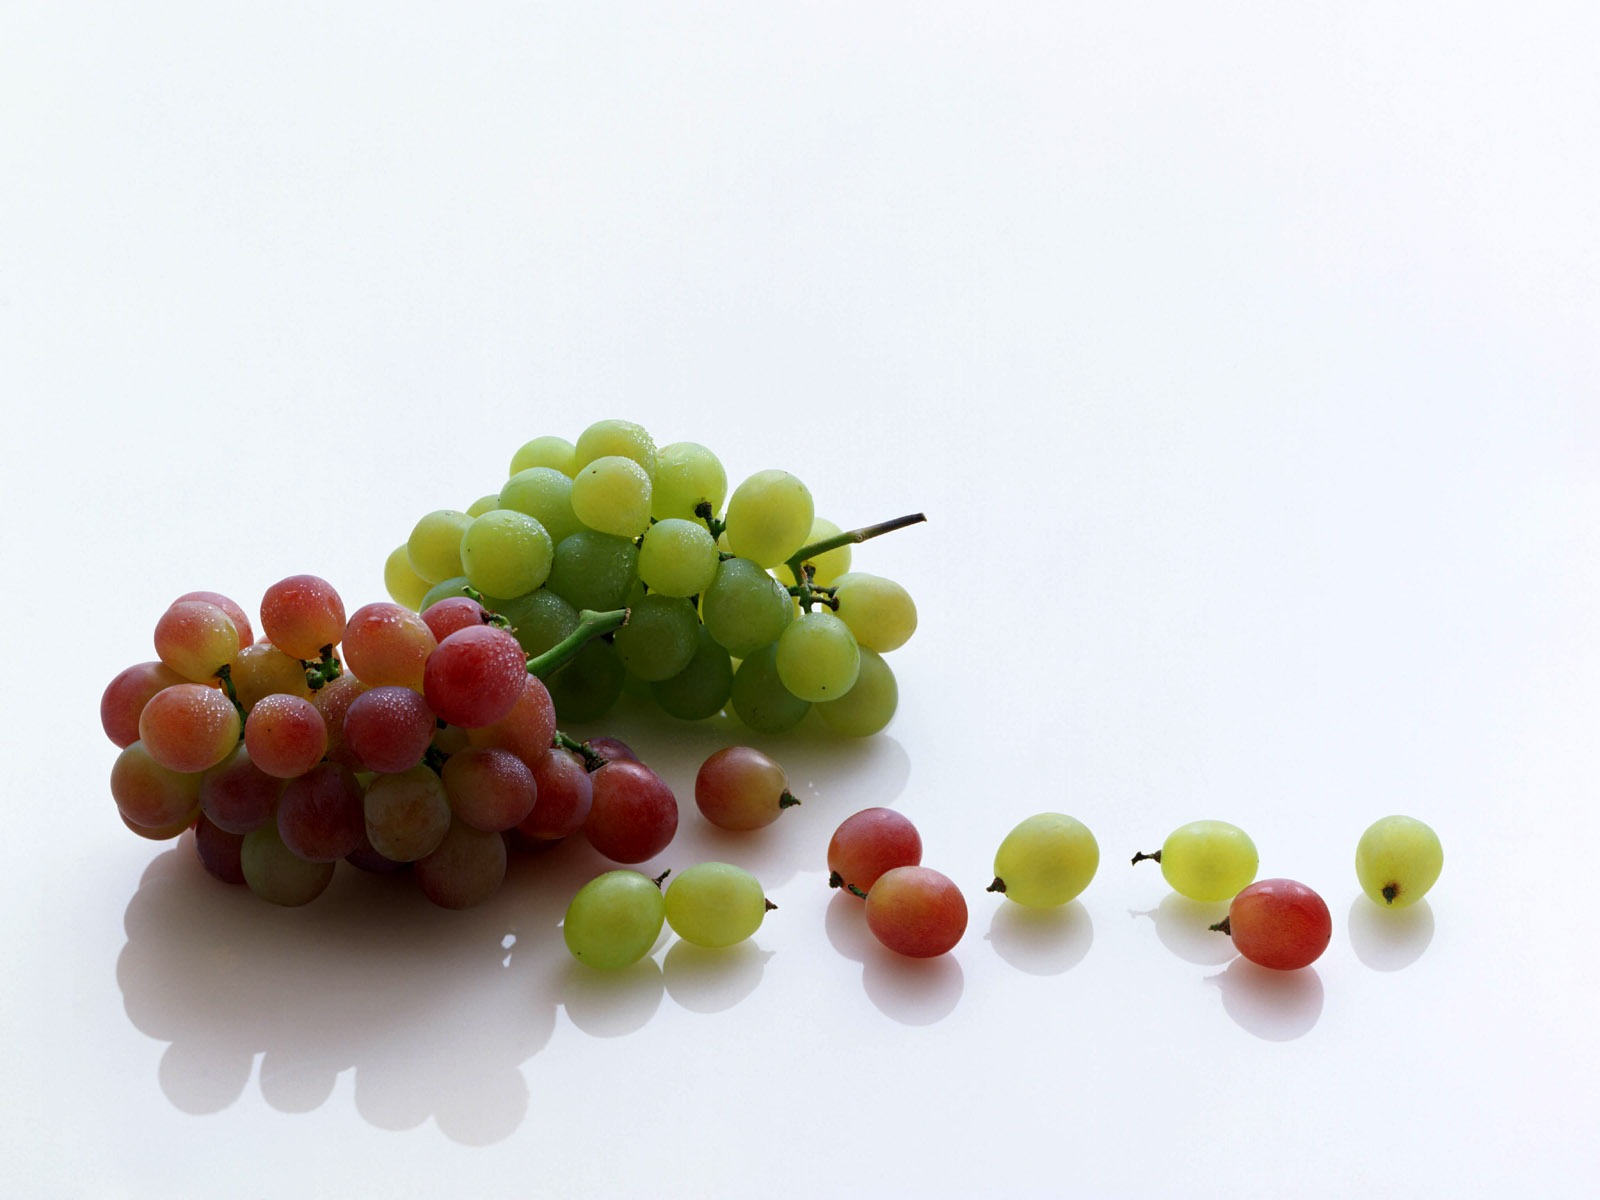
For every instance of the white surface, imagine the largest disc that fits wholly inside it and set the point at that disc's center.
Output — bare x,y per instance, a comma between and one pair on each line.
1244,361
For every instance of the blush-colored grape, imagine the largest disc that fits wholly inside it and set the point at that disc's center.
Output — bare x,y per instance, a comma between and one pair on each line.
916,911
1279,923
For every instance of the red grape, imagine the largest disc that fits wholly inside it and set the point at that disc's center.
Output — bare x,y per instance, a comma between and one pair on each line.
526,730
127,694
466,869
446,616
238,796
1279,923
741,788
240,619
301,615
151,795
387,644
285,735
564,794
388,729
490,790
475,676
634,813
189,727
196,639
916,911
869,843
219,851
320,816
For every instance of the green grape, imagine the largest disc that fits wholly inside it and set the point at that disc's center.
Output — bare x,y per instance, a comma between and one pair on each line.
539,620
817,657
553,452
604,439
612,494
759,698
456,585
585,687
687,475
659,639
868,706
545,494
745,608
1045,861
593,570
1207,860
678,557
275,873
768,517
401,581
506,553
700,689
614,919
484,504
830,564
1397,860
434,546
715,904
879,611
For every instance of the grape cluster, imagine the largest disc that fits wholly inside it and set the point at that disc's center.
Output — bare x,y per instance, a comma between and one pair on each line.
389,739
743,601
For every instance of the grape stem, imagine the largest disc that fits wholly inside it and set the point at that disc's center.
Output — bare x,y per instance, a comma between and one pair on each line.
1222,926
704,512
324,671
1140,857
592,761
999,885
788,799
490,617
591,624
797,560
225,674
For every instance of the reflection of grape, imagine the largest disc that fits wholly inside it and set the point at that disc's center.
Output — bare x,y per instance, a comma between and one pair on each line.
715,904
1045,861
1279,923
1206,860
614,919
1397,860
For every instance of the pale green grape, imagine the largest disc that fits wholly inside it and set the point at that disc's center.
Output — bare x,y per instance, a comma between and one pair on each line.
677,557
484,504
759,698
1207,860
659,639
593,570
879,611
434,546
830,564
818,658
554,452
506,553
715,904
274,872
869,705
612,495
687,475
1397,860
545,494
745,608
606,438
1046,861
614,919
456,585
769,515
700,689
401,580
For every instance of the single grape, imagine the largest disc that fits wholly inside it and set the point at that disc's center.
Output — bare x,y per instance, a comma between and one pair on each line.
506,553
614,919
545,494
127,694
593,570
401,580
475,676
490,790
547,451
526,730
745,608
612,495
484,504
275,873
869,705
434,547
386,644
302,615
659,639
444,617
715,904
878,611
219,851
677,558
687,475
151,796
539,620
759,698
238,796
189,727
633,814
285,736
1397,860
817,657
740,788
563,796
611,749
406,814
1206,860
615,438
916,911
868,843
769,516
1046,861
586,687
320,814
262,670
465,869
1278,923
388,729
195,639
236,614
333,700
702,688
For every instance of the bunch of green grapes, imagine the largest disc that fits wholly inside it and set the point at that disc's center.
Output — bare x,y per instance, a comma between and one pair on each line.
744,600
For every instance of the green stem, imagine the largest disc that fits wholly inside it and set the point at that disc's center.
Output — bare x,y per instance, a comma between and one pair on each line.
324,671
788,799
591,760
591,625
225,673
704,512
849,538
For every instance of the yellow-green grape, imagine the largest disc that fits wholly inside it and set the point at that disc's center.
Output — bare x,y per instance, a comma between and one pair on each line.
768,518
1046,861
614,919
677,557
545,494
1397,860
1207,860
745,608
604,439
612,495
687,476
484,504
434,546
879,611
830,564
870,703
506,553
715,904
545,452
818,658
401,580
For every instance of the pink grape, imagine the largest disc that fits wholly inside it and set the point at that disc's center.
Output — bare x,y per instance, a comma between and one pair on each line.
869,843
150,795
238,796
475,676
320,815
466,868
285,735
333,701
490,790
196,639
261,670
916,911
189,727
240,619
611,749
406,814
301,615
388,729
564,794
127,694
1279,923
444,617
387,644
740,788
633,815
527,730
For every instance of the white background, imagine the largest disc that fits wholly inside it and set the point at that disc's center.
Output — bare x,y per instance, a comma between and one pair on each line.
1244,359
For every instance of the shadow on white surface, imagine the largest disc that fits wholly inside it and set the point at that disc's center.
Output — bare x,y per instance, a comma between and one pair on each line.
1276,1006
1388,939
1184,927
1041,941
